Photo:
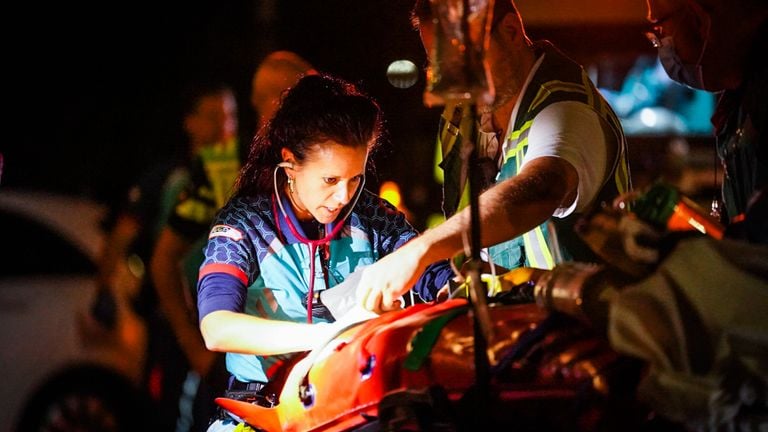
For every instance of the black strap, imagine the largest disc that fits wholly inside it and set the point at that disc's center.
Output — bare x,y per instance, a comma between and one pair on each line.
237,385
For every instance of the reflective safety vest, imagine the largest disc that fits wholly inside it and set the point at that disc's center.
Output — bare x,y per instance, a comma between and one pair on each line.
209,184
558,79
212,176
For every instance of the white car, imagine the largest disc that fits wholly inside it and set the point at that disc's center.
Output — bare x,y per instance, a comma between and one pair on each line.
63,368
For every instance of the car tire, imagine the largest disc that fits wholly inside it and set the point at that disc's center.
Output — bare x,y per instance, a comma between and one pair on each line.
86,399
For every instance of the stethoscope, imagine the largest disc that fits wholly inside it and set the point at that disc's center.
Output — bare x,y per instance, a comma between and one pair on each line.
313,244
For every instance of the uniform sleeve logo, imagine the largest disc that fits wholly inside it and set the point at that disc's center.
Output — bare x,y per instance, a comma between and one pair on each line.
225,231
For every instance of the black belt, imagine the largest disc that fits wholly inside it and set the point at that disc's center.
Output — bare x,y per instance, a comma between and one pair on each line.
249,392
237,385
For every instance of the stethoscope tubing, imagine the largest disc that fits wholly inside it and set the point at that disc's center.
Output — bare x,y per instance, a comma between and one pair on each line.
313,244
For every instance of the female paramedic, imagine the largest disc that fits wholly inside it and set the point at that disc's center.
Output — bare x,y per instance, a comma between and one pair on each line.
299,222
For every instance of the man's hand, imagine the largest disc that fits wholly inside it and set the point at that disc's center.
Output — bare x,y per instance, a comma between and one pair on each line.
383,283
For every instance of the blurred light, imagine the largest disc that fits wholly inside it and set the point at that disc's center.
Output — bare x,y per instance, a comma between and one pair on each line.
648,117
136,266
402,74
390,191
640,92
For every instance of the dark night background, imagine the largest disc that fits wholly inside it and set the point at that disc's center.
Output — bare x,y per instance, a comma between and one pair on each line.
96,87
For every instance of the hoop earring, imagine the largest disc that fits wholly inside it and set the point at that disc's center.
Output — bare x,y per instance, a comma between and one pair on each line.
290,185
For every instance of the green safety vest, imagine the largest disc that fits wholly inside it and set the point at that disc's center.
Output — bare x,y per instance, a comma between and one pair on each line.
558,79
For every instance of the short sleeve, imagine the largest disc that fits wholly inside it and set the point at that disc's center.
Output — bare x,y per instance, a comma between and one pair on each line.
572,131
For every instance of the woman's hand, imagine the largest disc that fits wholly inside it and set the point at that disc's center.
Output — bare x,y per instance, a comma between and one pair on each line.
384,283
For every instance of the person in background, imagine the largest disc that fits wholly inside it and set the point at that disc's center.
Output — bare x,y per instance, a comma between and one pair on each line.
277,72
210,176
299,223
720,46
555,145
208,118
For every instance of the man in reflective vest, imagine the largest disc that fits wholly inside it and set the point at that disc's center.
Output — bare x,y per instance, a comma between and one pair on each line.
558,148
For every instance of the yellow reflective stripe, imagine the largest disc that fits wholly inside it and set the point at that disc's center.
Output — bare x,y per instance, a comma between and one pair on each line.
521,144
222,165
222,175
546,254
621,177
516,134
516,151
528,243
554,86
536,249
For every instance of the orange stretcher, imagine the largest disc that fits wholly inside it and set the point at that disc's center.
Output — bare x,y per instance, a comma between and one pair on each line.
417,366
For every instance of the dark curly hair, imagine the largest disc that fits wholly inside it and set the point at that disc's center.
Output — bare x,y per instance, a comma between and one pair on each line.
317,109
